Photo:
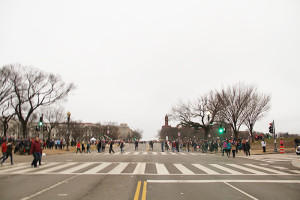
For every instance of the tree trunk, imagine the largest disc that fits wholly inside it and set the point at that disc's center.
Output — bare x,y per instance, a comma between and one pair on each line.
5,127
24,129
206,132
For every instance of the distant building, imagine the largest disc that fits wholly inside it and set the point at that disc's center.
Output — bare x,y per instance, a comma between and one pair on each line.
124,131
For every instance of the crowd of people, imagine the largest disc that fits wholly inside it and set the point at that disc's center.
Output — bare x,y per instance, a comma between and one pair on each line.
214,145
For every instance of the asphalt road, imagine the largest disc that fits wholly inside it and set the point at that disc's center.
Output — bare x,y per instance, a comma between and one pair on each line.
151,175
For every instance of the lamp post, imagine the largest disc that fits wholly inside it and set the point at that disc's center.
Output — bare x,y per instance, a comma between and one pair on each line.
68,131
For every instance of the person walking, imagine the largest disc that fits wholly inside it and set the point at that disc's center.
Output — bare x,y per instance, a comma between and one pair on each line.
224,147
247,148
103,144
9,150
136,145
151,144
234,147
111,147
228,148
41,152
82,147
4,149
88,146
263,144
122,146
99,146
78,147
35,150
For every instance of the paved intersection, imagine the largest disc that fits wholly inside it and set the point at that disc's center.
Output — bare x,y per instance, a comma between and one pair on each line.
152,175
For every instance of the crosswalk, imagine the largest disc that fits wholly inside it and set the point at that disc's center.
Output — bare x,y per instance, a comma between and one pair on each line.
272,158
146,153
146,168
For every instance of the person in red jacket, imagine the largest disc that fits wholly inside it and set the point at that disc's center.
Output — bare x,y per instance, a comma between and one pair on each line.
35,151
4,149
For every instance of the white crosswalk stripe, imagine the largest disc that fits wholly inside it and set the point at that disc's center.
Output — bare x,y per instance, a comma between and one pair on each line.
119,168
61,166
140,168
226,169
247,169
267,169
76,168
161,169
205,169
183,169
97,168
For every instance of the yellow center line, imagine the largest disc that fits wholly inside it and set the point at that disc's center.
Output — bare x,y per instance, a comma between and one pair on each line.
137,192
144,191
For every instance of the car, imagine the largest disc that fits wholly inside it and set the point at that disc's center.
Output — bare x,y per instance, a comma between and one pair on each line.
23,146
298,150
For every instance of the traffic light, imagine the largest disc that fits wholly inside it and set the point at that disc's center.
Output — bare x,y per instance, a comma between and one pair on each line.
37,128
271,128
41,121
221,129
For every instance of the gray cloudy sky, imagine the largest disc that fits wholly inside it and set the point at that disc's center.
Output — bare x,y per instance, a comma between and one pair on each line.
133,60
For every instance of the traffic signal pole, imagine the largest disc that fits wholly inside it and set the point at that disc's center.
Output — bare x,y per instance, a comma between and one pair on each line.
275,149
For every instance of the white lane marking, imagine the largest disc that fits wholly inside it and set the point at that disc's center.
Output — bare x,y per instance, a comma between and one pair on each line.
205,169
223,181
49,188
145,153
154,153
14,168
60,166
76,168
183,169
163,153
226,169
31,169
267,169
193,154
135,153
172,153
277,167
247,169
241,191
126,153
295,171
182,153
161,169
118,169
116,153
97,168
140,168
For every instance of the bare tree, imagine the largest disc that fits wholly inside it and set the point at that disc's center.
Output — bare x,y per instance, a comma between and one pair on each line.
256,109
234,101
7,113
34,88
199,114
53,116
137,133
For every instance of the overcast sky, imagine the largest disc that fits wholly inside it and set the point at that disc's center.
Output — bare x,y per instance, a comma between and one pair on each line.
133,60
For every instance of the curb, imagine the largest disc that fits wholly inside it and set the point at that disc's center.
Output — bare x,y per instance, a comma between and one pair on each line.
296,163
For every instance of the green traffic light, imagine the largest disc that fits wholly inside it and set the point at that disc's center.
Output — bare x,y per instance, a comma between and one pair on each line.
41,123
220,130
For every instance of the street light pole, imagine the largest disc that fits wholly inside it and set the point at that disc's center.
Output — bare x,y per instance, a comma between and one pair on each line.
68,131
